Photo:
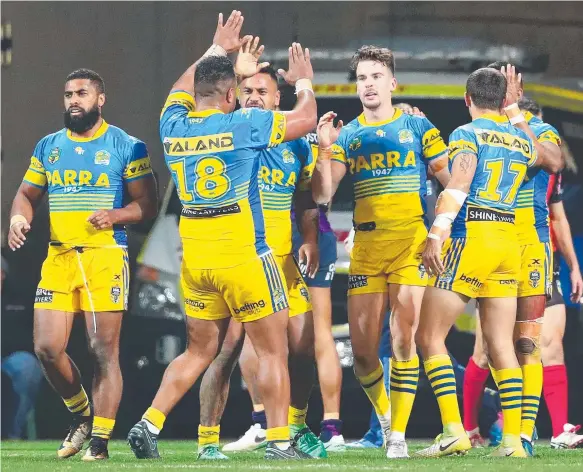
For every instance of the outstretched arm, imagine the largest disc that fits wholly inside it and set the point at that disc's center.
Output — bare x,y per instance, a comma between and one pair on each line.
549,154
226,40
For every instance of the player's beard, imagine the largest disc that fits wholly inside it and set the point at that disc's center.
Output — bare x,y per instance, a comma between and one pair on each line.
83,122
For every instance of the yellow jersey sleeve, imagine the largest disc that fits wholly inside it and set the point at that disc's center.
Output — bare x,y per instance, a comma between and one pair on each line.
179,100
549,136
462,141
309,160
138,165
432,142
35,174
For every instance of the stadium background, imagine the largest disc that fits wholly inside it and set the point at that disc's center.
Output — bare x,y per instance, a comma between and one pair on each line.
141,48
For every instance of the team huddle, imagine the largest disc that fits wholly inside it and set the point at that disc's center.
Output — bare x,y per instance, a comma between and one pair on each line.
257,248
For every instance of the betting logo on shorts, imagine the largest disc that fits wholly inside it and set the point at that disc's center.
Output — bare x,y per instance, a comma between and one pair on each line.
115,293
304,293
405,136
54,155
194,304
357,281
43,296
253,308
422,271
534,278
102,158
508,282
355,143
474,282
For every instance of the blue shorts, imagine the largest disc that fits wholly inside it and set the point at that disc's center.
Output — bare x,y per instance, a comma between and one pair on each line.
328,255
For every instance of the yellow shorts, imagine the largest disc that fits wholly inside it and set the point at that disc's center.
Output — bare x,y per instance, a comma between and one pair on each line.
479,268
536,274
299,297
375,264
246,292
88,279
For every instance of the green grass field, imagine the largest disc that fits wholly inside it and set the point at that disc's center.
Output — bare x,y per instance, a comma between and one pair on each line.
39,456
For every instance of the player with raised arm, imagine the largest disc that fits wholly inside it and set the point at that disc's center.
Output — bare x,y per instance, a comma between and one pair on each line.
284,176
386,153
214,154
87,169
535,280
554,371
489,159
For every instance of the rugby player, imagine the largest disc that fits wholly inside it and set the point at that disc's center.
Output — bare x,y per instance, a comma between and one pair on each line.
214,154
88,169
555,382
283,177
535,278
386,152
489,161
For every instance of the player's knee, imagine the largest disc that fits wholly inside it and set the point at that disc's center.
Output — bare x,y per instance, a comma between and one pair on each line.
105,353
48,352
526,346
403,341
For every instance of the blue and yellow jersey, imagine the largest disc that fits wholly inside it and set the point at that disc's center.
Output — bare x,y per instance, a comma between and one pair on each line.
387,162
214,159
504,154
284,169
532,211
83,175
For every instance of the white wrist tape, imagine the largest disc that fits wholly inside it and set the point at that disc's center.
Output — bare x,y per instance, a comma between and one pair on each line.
304,84
17,219
444,220
511,107
433,236
517,119
448,205
215,50
457,195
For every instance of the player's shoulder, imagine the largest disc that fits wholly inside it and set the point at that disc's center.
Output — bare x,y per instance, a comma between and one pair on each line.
468,128
51,142
250,114
122,136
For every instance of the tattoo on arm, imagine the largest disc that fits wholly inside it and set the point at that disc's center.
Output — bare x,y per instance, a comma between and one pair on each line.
465,163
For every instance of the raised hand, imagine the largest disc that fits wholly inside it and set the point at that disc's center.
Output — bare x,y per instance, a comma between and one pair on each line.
249,54
227,36
327,132
300,66
513,84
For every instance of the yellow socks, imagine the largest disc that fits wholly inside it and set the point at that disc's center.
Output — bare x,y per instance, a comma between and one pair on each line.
374,387
532,385
102,427
208,435
296,417
78,404
440,374
277,434
156,418
509,383
404,379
